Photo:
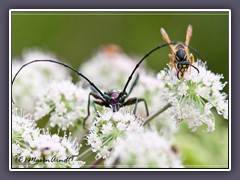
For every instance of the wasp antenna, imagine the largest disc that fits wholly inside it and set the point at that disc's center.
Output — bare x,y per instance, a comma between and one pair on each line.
194,67
63,64
178,73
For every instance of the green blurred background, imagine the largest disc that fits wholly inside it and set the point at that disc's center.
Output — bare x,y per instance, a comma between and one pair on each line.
75,37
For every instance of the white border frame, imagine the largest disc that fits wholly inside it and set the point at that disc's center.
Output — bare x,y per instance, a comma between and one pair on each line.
117,10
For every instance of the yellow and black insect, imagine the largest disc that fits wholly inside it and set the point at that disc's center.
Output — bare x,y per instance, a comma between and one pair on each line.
180,58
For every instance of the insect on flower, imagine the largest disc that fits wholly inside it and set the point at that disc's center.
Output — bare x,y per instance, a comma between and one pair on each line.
114,99
180,58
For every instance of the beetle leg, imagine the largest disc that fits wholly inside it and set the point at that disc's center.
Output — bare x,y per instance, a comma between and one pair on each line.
88,106
100,103
190,61
135,101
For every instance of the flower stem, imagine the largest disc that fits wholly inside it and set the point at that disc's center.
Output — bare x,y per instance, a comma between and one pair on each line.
85,154
151,117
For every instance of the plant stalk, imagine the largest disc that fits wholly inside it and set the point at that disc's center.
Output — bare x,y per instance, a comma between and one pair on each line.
149,118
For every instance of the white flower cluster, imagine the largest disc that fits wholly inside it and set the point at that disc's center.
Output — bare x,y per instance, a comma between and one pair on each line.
193,96
144,150
66,103
23,127
119,139
33,79
33,148
110,126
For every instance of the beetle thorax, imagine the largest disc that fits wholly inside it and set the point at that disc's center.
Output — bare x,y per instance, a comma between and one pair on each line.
114,97
114,102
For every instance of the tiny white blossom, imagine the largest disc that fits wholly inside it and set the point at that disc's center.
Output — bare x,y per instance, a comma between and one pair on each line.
182,89
103,153
107,128
16,149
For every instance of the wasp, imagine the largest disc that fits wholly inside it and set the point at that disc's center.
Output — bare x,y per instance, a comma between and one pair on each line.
180,59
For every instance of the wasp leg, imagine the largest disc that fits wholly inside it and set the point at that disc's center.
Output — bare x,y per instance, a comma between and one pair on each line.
88,106
190,61
191,58
182,74
182,71
135,101
172,61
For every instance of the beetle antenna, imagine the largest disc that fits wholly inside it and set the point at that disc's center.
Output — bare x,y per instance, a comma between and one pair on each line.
196,52
150,52
63,64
